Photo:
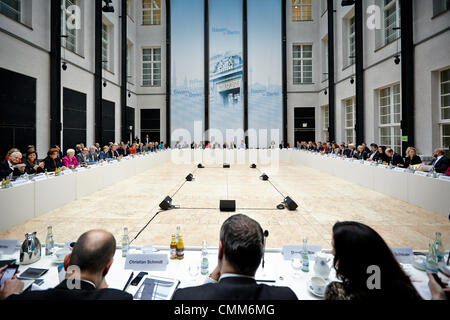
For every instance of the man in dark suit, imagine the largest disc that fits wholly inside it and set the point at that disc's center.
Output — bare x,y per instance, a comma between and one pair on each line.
349,151
86,267
394,158
440,161
241,249
374,155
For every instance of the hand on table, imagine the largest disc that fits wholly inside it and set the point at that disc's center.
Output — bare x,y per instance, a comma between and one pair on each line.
437,292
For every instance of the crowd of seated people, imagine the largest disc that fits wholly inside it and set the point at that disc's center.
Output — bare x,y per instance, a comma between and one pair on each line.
17,164
380,154
355,248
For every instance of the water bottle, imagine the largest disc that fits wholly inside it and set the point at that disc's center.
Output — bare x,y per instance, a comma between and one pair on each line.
305,257
434,173
439,247
49,242
205,262
125,242
432,261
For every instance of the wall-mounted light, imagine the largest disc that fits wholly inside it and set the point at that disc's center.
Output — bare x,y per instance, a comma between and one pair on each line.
64,66
108,7
129,94
325,92
397,59
352,80
104,83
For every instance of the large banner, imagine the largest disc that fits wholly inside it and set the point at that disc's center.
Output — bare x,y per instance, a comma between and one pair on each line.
264,72
187,82
226,69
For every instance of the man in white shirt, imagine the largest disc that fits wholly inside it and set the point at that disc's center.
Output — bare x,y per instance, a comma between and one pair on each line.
12,166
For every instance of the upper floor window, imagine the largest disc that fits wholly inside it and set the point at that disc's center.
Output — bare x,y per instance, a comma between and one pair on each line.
391,19
351,41
302,63
70,33
444,93
326,122
440,6
301,10
105,46
151,12
130,8
12,9
151,67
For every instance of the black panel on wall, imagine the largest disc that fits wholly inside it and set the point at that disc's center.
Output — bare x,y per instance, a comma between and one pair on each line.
130,122
150,124
74,117
304,124
18,111
108,121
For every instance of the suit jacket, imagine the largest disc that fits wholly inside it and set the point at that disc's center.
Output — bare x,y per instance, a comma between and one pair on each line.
411,162
51,165
396,159
92,157
82,158
235,288
123,152
61,292
442,165
375,155
349,153
5,170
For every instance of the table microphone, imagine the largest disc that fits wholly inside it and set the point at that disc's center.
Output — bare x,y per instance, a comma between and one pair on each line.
266,235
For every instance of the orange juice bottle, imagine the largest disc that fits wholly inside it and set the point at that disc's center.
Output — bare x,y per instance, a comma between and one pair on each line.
180,248
173,248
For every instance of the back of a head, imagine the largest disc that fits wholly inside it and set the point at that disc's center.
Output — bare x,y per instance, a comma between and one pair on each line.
243,243
93,250
359,247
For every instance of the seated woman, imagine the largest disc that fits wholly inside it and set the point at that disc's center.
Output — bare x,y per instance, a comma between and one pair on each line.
412,158
356,249
32,165
382,154
360,154
52,162
104,154
70,161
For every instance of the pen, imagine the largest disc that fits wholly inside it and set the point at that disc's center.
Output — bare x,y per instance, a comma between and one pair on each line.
128,282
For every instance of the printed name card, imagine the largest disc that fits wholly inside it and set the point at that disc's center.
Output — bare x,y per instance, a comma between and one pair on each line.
420,173
19,182
146,262
368,163
67,172
403,254
401,169
80,169
39,178
446,178
349,159
290,251
7,246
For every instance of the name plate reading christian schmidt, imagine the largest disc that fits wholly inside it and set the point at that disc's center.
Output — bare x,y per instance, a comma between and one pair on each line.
146,262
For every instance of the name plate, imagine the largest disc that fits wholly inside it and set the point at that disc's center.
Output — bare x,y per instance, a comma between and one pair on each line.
403,254
384,166
349,159
67,172
420,173
290,251
146,262
39,178
19,183
80,169
7,246
401,169
445,178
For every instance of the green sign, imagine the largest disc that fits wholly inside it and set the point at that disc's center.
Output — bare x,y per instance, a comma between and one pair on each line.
404,138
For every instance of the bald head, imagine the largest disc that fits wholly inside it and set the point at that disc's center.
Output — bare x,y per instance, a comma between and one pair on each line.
93,250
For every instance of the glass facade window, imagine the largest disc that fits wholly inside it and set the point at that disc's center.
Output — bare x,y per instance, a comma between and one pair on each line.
12,9
301,10
391,14
151,12
390,117
105,46
351,41
349,120
70,40
445,108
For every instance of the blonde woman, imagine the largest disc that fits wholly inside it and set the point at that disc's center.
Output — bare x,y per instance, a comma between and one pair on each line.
412,158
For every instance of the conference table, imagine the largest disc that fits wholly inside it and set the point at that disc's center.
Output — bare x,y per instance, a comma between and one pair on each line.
26,200
277,271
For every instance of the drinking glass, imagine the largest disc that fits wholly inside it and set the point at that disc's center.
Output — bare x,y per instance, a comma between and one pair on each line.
193,271
296,265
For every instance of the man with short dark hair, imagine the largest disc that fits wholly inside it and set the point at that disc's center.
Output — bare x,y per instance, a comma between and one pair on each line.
374,155
440,162
93,255
241,249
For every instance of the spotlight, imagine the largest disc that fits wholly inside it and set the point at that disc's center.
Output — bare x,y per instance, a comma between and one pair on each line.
200,166
264,177
397,59
226,165
253,166
352,80
129,95
325,92
290,204
190,177
64,66
166,204
107,7
104,83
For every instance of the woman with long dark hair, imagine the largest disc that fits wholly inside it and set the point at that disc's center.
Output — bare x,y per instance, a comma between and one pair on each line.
356,247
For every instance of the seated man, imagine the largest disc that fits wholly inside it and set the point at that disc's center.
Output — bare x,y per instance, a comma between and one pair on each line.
92,155
241,249
12,166
93,255
440,161
83,157
394,158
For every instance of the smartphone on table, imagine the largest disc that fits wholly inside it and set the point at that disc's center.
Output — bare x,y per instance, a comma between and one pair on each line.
9,273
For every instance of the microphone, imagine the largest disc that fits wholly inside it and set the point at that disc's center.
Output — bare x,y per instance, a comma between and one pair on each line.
266,235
